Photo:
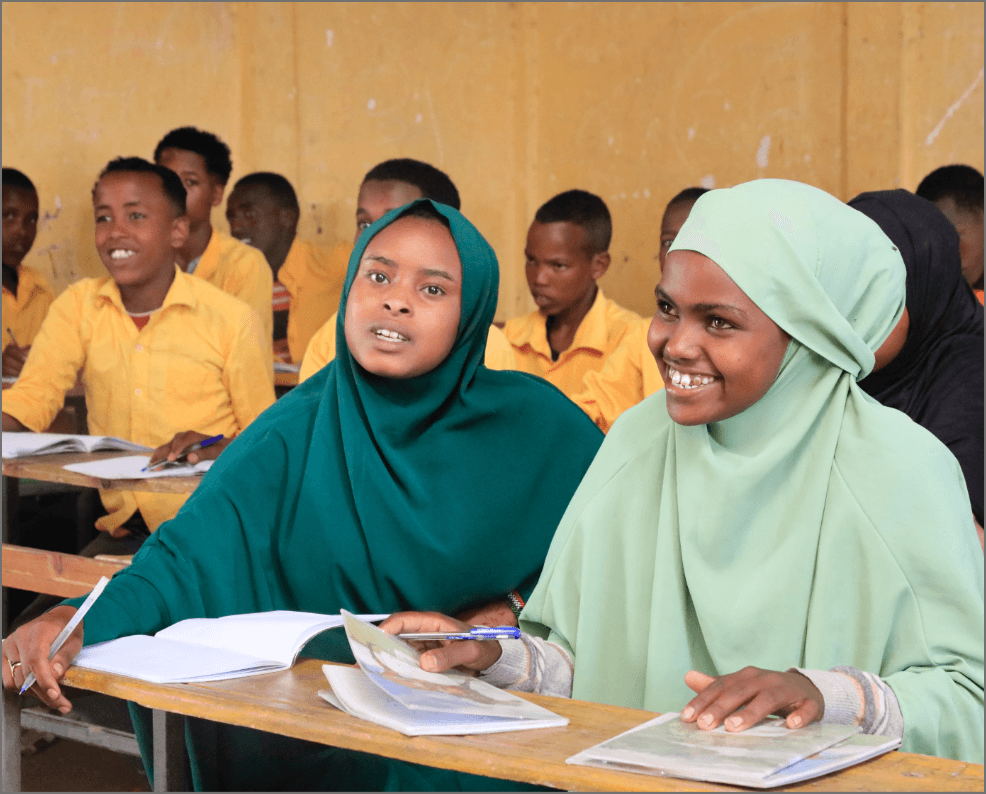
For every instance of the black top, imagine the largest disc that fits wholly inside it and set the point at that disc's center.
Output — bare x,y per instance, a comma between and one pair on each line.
937,378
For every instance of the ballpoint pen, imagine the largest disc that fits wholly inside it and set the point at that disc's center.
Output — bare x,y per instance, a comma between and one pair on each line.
478,633
183,457
12,337
56,646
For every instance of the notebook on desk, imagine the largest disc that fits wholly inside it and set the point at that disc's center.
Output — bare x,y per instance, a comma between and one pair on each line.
22,445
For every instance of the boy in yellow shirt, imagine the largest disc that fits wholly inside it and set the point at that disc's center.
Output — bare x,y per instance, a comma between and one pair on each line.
575,327
263,212
161,352
387,186
203,163
631,373
26,294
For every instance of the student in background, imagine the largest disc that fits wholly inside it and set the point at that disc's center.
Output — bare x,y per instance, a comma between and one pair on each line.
767,538
630,373
161,353
387,186
575,328
932,368
397,477
263,211
203,163
957,190
26,294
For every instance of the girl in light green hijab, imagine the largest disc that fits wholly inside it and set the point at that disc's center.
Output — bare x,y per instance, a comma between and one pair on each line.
763,510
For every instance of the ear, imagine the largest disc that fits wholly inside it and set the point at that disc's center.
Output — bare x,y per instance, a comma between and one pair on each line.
179,231
217,193
599,265
287,218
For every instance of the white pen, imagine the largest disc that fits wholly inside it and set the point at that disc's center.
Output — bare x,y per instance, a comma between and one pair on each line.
67,631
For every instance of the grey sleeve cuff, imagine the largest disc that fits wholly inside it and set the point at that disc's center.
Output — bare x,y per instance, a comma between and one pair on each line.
855,697
531,665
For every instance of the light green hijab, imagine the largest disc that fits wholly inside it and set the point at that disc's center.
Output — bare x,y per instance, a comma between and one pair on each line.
816,528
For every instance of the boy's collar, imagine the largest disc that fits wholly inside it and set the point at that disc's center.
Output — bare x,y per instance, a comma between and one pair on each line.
179,293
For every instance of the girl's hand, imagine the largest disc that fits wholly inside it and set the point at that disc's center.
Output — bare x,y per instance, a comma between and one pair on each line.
468,656
13,360
743,699
26,651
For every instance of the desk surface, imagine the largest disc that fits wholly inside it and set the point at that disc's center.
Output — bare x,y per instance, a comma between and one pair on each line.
287,703
49,468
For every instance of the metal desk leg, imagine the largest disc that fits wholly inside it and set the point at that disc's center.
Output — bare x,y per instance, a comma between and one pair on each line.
11,741
170,759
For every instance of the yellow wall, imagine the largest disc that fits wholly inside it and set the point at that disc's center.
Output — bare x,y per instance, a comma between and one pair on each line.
515,101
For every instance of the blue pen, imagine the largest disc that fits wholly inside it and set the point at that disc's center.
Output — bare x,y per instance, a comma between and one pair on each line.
183,457
478,633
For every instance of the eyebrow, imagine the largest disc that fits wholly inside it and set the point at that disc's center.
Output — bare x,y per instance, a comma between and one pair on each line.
703,307
430,271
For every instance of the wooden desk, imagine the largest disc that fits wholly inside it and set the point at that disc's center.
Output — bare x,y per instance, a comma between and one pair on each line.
285,379
49,469
287,703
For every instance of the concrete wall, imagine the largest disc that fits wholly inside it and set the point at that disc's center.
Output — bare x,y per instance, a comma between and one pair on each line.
515,101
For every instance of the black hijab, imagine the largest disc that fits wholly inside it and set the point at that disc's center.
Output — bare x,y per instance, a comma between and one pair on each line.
937,378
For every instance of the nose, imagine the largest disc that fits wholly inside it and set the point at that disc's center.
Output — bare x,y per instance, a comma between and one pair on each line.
541,275
396,303
681,339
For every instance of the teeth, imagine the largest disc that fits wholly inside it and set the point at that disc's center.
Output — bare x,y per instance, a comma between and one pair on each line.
121,254
393,335
689,381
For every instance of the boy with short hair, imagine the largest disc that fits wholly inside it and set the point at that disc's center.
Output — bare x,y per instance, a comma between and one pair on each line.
575,327
26,294
263,211
957,190
203,163
631,373
387,186
161,352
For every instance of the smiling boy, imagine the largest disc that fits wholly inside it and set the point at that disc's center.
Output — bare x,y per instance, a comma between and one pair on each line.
387,186
203,163
263,212
161,352
575,327
26,295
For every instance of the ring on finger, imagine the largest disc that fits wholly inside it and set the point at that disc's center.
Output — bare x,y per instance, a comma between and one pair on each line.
13,666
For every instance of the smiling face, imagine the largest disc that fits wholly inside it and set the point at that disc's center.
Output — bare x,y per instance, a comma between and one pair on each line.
402,315
717,352
560,270
378,197
205,190
20,223
137,230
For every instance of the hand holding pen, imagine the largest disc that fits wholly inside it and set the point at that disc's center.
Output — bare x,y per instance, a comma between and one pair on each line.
14,357
464,652
188,447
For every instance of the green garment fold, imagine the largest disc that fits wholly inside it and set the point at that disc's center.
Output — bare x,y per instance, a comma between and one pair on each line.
368,494
816,528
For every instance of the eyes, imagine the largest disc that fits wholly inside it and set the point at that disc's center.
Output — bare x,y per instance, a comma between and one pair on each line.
10,215
553,265
713,322
379,277
134,215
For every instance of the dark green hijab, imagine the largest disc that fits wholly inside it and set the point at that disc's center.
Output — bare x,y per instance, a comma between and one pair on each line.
368,494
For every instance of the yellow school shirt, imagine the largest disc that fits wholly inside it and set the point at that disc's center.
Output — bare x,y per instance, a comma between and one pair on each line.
314,276
630,375
601,331
199,364
322,349
242,271
24,312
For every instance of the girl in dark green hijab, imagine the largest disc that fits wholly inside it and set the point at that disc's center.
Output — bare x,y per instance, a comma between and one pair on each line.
404,475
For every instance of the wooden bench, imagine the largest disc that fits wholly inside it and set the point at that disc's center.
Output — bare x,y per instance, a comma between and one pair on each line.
65,575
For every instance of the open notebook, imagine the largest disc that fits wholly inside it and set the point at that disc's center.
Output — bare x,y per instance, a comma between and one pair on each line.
392,690
764,756
20,445
132,467
211,649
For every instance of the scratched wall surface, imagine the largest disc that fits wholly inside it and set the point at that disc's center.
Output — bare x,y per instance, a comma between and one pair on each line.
515,101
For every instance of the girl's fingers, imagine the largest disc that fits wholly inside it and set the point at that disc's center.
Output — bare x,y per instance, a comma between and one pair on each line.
697,681
469,654
804,714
